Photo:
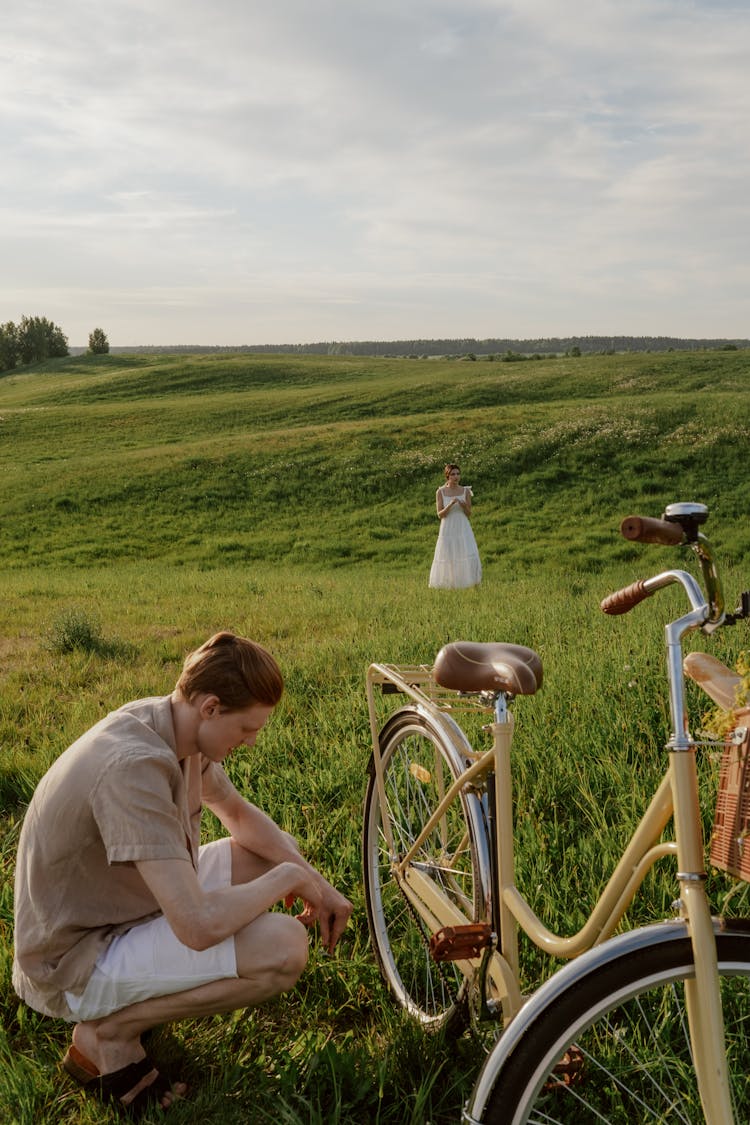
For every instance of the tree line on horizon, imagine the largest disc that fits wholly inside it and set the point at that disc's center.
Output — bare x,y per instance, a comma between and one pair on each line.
35,339
541,346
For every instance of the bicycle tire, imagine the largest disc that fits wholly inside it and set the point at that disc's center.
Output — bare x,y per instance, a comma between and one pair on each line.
627,1019
421,757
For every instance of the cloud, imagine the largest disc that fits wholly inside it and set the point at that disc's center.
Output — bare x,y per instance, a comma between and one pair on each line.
498,165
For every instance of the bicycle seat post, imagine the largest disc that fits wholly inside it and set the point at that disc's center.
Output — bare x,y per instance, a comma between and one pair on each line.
502,735
501,708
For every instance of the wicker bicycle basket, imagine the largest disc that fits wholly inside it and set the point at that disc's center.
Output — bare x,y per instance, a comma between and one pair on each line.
730,839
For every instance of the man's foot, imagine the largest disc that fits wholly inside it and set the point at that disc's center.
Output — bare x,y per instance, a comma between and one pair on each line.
132,1088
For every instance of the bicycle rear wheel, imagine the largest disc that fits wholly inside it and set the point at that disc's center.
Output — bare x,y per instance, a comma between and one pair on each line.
611,1045
421,759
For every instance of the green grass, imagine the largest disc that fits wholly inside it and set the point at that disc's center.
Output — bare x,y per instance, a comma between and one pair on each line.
333,462
147,502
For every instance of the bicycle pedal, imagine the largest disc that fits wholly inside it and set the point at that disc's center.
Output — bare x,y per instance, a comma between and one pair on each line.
568,1071
460,943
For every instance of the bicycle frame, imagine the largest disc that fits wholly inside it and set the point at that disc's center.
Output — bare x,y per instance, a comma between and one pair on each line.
676,798
435,907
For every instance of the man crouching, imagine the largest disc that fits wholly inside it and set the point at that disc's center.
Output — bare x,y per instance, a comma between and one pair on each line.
122,920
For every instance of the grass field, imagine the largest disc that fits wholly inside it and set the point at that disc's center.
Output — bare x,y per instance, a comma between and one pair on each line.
154,500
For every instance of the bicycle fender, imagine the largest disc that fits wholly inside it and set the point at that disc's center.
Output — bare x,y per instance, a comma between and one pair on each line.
570,974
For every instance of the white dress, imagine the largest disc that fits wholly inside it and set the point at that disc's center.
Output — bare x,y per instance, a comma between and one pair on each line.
456,563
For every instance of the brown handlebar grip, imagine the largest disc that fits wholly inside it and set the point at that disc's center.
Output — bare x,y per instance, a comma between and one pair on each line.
643,529
622,601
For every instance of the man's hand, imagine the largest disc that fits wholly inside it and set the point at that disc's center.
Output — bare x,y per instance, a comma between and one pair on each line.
333,913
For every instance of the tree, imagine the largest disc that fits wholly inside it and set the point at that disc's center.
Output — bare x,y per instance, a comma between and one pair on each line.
39,339
8,346
98,342
32,341
57,341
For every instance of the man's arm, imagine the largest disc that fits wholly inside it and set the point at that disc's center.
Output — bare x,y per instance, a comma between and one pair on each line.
254,830
251,827
201,918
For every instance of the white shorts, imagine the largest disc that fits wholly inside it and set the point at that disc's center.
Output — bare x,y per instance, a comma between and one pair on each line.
149,961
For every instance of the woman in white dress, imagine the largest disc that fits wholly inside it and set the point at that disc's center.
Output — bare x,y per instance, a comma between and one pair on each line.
456,563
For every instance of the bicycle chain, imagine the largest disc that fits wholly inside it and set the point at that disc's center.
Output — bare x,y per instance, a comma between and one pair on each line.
464,1005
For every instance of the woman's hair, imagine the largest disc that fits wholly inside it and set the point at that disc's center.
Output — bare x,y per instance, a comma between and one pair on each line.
449,469
237,670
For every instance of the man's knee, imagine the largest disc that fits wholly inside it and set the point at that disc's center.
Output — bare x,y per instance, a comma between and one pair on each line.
298,949
273,944
293,946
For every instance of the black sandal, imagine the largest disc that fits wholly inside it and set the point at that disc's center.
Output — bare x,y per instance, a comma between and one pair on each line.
128,1088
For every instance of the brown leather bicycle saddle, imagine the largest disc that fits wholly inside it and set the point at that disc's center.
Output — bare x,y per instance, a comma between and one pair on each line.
474,666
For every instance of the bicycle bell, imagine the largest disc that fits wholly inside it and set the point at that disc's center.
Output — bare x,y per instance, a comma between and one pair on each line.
689,516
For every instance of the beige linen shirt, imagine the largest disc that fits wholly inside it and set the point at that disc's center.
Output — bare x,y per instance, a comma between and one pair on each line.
117,795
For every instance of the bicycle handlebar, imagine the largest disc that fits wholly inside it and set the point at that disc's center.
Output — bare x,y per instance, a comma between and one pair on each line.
622,601
644,529
681,528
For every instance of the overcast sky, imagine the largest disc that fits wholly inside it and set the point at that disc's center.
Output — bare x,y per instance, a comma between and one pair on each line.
287,171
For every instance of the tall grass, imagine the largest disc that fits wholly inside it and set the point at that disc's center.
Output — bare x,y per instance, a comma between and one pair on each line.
107,525
588,751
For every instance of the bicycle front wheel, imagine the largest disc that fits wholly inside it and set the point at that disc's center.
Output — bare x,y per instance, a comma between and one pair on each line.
611,1045
421,758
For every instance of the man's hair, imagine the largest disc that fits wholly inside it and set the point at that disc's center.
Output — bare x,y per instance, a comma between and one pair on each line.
237,670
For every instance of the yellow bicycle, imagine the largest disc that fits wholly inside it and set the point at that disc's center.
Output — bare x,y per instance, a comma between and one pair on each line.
649,1025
